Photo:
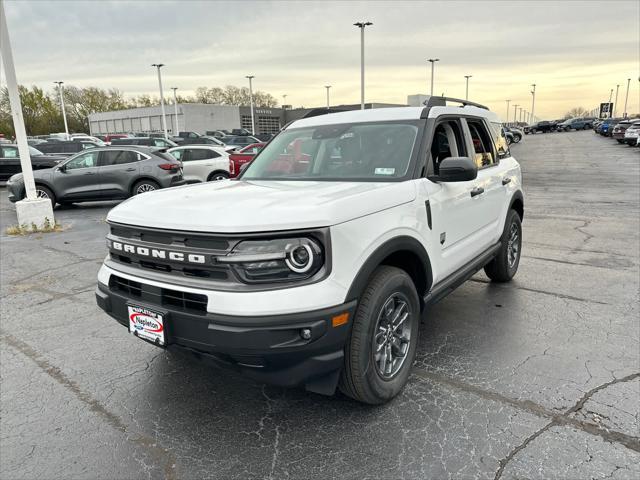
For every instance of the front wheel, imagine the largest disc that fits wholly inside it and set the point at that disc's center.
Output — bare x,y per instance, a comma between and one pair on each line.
382,344
216,176
45,193
517,138
505,265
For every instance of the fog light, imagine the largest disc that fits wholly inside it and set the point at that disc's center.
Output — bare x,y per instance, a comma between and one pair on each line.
305,333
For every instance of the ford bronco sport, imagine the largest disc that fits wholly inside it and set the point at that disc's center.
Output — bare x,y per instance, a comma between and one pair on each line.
313,268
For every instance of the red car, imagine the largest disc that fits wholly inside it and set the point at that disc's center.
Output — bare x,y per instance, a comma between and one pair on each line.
108,138
243,157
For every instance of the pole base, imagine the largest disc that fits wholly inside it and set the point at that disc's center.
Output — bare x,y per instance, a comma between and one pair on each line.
38,212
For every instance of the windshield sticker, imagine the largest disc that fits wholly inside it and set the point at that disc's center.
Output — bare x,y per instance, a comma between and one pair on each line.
385,171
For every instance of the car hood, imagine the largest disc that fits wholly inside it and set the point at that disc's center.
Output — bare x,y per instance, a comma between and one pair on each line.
234,206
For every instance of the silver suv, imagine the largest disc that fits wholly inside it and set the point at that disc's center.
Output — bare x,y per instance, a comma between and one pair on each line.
107,173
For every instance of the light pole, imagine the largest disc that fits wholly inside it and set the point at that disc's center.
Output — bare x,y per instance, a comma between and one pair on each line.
615,105
533,99
164,116
327,87
507,119
433,62
361,26
64,113
626,98
467,89
520,114
515,113
253,122
284,100
175,108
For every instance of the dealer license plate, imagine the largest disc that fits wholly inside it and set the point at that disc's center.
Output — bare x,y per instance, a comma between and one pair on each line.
146,324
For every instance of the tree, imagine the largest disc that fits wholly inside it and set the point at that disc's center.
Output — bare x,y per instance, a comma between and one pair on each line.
41,114
577,112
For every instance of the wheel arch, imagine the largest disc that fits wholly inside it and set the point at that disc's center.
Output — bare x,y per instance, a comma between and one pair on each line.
403,252
219,170
136,180
517,204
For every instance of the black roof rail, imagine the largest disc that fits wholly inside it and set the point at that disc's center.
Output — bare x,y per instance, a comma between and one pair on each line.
433,101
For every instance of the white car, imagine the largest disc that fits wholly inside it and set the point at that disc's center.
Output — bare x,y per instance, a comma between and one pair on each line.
314,267
632,134
202,163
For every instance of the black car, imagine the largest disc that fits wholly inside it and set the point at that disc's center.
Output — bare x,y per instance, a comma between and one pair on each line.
10,160
65,148
543,126
145,141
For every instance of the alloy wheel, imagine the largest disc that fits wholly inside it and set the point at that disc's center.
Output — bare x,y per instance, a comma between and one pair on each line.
513,245
392,336
145,187
42,194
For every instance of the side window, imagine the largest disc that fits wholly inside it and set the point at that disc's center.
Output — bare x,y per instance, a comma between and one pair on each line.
72,147
9,152
202,154
158,142
177,154
499,140
86,160
448,141
118,157
87,146
482,145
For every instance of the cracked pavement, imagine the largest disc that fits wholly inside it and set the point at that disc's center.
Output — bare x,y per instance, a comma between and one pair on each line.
539,378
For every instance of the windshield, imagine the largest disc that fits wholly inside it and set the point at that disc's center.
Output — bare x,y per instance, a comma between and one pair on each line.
358,151
34,151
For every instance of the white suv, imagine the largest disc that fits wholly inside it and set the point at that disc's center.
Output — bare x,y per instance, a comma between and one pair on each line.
313,268
202,163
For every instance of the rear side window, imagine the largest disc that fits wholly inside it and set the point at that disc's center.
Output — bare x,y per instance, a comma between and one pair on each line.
202,154
499,140
119,157
482,144
9,152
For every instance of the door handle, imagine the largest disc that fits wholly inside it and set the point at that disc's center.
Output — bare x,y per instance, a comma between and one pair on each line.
477,191
129,169
506,180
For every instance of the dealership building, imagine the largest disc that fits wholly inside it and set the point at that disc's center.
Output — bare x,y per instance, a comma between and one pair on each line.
202,118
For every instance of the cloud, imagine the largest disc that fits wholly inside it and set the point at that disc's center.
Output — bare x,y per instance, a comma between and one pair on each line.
575,51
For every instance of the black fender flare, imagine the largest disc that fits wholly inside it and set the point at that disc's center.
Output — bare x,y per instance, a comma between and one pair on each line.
517,196
402,243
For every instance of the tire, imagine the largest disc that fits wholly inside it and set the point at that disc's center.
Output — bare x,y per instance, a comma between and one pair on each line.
45,192
533,132
509,141
389,292
216,176
517,138
619,141
504,266
587,127
144,186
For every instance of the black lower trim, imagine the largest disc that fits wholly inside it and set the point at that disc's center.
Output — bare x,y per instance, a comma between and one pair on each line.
457,278
267,348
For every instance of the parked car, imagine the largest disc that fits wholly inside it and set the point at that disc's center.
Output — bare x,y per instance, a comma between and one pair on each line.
315,266
264,137
67,148
112,136
217,133
35,141
606,127
203,140
575,124
543,126
87,138
619,130
632,134
243,157
103,173
202,163
235,142
10,160
144,141
515,132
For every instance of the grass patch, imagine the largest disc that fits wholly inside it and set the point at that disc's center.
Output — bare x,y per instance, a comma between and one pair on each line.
25,229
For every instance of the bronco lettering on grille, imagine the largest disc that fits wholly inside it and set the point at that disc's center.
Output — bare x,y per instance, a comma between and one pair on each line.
158,253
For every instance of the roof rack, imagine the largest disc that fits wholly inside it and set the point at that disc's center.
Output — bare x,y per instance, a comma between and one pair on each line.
442,102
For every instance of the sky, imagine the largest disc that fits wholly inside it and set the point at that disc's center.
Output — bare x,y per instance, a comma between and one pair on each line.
574,51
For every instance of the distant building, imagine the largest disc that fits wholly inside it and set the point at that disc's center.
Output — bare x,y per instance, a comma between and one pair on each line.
204,117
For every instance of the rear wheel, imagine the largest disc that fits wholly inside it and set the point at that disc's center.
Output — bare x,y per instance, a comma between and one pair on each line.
382,344
45,193
144,186
533,131
517,138
215,176
505,265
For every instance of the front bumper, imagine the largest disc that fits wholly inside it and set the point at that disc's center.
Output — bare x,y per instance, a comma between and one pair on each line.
269,349
15,191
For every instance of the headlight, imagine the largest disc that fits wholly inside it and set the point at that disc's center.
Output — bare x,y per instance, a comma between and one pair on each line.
282,259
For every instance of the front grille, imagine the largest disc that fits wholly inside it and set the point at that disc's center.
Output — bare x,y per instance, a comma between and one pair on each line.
166,297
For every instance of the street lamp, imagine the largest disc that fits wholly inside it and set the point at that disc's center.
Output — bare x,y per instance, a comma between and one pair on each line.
253,122
327,87
164,117
626,98
433,62
284,100
533,99
515,113
615,105
467,89
64,113
175,108
361,26
507,119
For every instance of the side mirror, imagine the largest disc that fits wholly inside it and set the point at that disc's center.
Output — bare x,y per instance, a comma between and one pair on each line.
456,169
62,168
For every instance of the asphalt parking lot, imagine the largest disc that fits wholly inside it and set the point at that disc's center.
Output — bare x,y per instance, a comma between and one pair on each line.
538,378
